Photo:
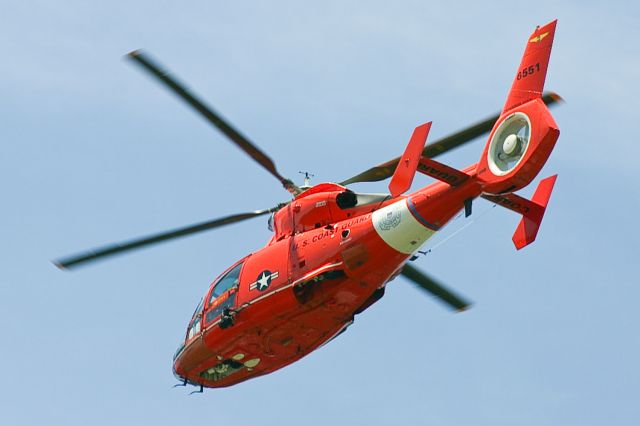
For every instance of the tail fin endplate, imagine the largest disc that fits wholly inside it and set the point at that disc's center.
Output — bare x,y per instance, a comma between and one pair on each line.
532,211
406,169
529,225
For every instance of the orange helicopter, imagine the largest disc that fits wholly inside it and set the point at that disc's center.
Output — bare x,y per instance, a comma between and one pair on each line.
334,250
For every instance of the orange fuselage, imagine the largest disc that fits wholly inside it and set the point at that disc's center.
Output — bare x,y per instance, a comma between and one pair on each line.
306,285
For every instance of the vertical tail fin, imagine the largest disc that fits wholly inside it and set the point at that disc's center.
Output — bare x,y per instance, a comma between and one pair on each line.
525,133
529,81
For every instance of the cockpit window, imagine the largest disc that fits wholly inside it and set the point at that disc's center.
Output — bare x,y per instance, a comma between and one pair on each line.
198,308
195,327
231,279
196,320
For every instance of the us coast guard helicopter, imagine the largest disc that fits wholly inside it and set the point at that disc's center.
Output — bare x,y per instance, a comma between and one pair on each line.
333,250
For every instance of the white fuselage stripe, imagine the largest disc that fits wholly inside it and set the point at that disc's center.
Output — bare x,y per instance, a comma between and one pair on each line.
398,227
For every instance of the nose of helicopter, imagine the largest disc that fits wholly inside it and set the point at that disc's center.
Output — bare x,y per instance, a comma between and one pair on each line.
178,352
187,359
176,362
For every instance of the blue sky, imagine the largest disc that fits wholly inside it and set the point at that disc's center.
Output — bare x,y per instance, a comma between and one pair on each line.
93,151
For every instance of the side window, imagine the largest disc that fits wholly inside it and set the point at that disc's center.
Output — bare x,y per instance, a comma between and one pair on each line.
195,328
195,322
226,282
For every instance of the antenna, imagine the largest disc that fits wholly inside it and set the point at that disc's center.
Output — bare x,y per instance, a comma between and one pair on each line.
307,179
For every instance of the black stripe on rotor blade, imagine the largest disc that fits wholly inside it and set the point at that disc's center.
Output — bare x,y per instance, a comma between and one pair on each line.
436,289
118,248
385,170
210,115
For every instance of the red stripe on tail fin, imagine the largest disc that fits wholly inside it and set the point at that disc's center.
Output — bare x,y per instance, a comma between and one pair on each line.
529,81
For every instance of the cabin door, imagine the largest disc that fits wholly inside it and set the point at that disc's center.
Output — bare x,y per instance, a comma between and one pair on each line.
264,272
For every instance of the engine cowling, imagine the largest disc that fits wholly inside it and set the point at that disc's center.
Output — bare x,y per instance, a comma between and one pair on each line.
323,205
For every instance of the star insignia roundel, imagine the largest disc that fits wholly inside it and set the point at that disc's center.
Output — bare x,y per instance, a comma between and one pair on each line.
264,280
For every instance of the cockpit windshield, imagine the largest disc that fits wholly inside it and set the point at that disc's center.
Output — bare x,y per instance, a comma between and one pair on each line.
198,308
230,279
227,281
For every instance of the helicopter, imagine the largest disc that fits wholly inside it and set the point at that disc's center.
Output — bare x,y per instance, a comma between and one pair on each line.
334,250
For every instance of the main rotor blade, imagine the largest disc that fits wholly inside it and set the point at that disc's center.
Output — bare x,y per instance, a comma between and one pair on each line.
113,249
430,285
385,170
212,117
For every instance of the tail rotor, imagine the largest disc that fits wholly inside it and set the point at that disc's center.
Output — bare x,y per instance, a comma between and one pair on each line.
509,144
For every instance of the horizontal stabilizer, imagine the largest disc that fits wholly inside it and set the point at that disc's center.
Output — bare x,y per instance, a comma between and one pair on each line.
532,211
439,171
